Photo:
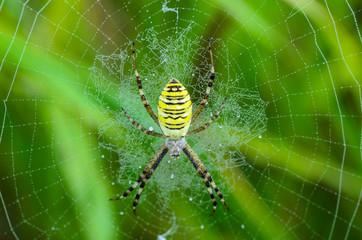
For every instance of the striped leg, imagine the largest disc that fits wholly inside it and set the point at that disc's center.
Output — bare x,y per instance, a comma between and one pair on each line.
192,156
138,195
217,190
139,83
156,159
152,133
198,164
144,181
208,89
209,122
148,176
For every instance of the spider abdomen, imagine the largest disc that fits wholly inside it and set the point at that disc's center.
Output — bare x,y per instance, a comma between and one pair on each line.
174,110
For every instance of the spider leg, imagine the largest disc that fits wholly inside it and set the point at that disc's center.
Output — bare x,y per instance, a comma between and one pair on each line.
201,169
156,159
139,84
207,183
208,89
144,181
217,190
209,122
158,156
152,133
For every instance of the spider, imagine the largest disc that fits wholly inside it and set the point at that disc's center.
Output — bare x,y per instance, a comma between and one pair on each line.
174,118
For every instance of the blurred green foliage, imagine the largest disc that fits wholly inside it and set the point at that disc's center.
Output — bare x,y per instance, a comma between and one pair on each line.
301,179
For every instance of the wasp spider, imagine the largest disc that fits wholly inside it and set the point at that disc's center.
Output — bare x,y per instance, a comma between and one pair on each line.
174,116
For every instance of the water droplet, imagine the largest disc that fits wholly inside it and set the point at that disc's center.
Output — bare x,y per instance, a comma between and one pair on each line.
242,226
112,183
202,227
150,128
260,136
102,156
121,213
190,198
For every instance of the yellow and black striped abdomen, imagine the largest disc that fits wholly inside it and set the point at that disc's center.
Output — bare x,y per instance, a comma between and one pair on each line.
174,110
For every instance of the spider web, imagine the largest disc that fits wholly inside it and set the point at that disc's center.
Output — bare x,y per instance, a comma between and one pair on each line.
285,151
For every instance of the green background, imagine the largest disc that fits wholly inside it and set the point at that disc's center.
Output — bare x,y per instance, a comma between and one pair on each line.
301,179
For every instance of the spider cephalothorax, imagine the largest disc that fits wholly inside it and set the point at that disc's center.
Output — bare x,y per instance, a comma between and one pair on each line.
175,146
174,112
